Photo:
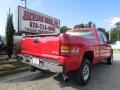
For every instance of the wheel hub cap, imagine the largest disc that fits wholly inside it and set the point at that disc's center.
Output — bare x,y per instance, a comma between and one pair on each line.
86,72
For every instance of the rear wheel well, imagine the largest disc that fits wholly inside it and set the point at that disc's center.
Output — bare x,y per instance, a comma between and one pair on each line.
89,55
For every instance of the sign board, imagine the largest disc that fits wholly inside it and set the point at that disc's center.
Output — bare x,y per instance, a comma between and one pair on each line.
30,21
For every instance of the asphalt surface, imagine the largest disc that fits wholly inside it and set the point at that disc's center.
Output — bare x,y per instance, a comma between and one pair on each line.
103,77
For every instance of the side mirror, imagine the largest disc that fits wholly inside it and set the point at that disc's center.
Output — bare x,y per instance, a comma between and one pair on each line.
109,42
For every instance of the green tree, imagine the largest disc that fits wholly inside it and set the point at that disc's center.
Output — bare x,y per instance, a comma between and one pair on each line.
63,29
115,32
107,35
86,25
9,34
90,24
79,26
117,25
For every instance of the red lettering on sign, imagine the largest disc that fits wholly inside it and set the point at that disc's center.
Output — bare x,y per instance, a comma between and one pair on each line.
32,16
35,17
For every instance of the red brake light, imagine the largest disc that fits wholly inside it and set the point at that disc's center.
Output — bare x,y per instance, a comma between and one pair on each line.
64,46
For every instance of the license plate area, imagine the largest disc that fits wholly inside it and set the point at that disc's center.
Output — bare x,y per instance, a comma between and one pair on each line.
39,62
36,61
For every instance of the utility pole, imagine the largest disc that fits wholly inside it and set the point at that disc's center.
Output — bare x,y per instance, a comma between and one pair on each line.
23,34
25,3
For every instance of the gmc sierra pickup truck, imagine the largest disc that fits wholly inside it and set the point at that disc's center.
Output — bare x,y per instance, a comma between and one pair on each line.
75,50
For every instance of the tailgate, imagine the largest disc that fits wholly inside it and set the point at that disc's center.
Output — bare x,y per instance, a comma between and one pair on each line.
47,46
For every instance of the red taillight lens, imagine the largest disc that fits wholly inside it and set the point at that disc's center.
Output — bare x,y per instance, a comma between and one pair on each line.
64,46
65,50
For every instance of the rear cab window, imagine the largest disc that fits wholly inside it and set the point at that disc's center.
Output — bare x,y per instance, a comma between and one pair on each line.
83,33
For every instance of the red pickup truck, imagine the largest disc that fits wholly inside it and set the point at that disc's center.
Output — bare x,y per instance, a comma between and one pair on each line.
75,50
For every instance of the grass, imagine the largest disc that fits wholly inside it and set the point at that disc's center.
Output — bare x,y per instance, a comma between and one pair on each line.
12,66
3,57
17,64
6,58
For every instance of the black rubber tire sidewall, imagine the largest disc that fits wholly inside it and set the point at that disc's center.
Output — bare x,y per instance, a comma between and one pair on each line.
81,81
110,60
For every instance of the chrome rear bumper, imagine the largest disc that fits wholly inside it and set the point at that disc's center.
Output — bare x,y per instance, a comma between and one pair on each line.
41,63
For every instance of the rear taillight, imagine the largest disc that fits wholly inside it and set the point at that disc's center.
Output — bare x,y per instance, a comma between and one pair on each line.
65,50
64,46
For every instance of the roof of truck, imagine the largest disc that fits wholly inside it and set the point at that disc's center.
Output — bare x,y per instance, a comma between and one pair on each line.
77,29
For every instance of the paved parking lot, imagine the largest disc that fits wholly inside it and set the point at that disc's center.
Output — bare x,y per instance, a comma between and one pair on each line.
103,77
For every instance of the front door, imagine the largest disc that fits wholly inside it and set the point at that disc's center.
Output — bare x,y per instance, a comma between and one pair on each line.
103,46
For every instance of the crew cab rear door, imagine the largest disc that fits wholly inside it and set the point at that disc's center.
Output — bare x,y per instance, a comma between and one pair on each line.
104,47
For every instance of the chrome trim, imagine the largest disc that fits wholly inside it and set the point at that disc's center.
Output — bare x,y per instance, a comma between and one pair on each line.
48,64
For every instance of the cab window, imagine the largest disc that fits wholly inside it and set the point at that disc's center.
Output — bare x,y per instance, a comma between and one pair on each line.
83,33
102,37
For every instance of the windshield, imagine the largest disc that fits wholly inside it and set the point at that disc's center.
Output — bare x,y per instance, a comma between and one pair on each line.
83,33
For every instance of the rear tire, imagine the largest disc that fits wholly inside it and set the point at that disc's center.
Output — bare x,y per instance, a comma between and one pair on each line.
84,72
110,60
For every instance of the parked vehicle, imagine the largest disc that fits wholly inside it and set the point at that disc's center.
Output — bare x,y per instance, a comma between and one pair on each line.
116,45
75,50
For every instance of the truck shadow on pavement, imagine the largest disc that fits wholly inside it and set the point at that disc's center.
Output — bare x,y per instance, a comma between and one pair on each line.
32,77
103,77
